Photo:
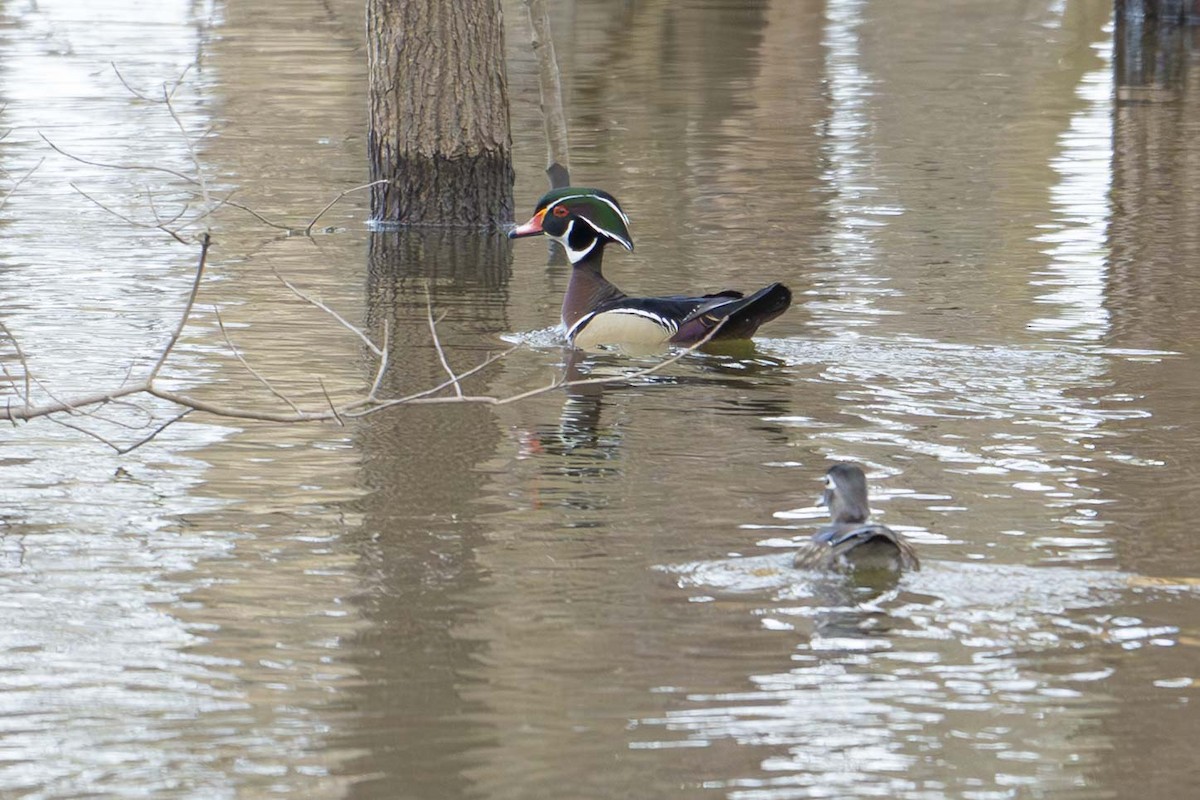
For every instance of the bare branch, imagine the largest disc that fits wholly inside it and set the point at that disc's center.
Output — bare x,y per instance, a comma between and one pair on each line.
128,448
131,167
84,431
437,342
205,240
179,80
130,88
29,380
487,362
154,433
96,398
241,360
130,220
188,141
318,304
332,406
641,373
158,218
197,191
256,215
383,364
20,358
19,181
333,202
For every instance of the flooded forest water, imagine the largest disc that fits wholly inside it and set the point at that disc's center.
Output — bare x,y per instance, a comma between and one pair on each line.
987,213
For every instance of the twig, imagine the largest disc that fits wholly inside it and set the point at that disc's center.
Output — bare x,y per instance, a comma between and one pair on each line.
333,202
154,433
188,141
174,85
437,342
179,80
332,405
131,167
641,373
383,363
96,398
423,398
129,448
85,431
241,360
487,362
209,211
20,359
158,223
205,239
258,216
130,88
29,379
17,184
318,304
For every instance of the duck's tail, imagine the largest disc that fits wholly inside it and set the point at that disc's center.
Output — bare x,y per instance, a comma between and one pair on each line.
739,318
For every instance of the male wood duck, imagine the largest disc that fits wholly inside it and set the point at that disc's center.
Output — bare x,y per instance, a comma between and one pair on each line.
597,313
850,541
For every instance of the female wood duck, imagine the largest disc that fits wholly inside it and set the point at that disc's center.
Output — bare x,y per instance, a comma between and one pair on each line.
596,313
850,542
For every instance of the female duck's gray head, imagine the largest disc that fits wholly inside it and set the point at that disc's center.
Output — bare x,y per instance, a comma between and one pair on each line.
845,494
581,220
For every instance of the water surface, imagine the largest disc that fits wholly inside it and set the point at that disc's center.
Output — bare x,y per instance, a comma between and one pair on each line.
985,214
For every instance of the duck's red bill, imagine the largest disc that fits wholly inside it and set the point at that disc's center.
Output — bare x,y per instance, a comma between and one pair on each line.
531,228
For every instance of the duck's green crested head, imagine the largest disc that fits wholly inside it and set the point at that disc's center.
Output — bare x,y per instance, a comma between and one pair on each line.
581,220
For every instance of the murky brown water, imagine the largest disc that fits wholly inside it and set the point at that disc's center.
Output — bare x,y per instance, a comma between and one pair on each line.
990,230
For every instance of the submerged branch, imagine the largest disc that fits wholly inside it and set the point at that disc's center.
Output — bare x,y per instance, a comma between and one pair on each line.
28,398
356,408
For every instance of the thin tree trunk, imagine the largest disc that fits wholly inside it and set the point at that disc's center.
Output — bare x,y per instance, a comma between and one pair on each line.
558,167
439,129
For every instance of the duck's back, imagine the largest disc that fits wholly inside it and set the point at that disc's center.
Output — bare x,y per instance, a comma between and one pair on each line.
866,547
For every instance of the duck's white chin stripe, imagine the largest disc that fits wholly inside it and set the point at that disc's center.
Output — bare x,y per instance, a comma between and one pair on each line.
565,240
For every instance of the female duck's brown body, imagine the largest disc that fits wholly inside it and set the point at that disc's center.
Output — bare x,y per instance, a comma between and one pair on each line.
850,541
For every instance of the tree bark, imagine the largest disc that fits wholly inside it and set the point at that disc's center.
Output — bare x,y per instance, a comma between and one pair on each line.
439,128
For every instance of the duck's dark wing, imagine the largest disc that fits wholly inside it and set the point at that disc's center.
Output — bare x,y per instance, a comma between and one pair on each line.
738,316
858,547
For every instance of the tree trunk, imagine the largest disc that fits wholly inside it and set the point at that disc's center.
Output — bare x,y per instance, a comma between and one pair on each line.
439,131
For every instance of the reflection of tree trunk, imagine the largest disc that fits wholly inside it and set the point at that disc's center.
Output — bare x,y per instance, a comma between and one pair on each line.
1164,10
1154,166
439,129
1152,46
1153,297
421,474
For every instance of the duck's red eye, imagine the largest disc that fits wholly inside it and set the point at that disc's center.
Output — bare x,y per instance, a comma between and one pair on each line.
560,211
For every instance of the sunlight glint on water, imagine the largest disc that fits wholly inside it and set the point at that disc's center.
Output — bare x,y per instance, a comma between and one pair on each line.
1078,246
